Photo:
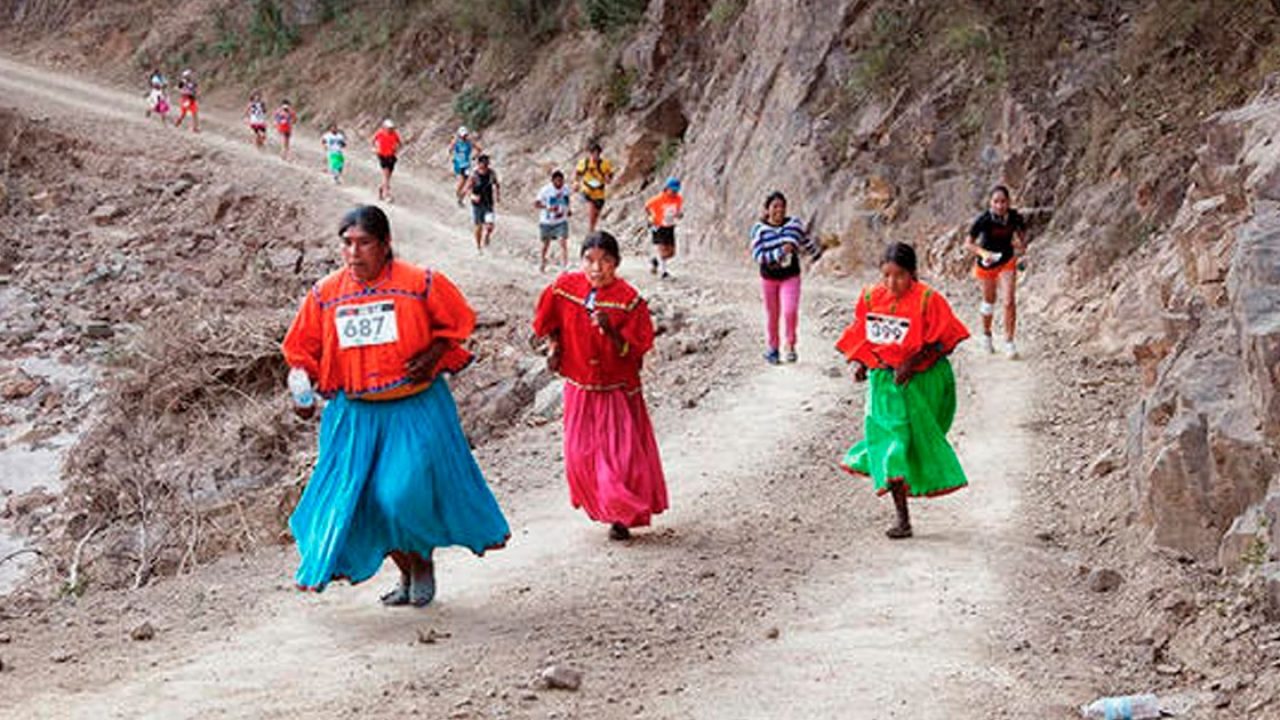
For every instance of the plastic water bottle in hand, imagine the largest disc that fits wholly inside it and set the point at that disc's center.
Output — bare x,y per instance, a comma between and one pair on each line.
1128,707
300,388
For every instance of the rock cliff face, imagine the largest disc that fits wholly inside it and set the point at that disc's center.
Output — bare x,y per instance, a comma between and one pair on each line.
1129,129
1203,445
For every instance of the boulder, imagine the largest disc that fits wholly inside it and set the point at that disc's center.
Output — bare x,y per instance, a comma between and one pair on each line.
1240,545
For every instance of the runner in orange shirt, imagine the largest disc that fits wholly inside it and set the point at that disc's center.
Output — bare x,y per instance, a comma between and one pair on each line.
665,210
394,476
386,143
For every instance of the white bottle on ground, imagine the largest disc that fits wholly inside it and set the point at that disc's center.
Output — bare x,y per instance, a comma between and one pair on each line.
1128,707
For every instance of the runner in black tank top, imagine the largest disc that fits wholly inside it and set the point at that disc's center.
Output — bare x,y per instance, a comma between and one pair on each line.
484,189
997,239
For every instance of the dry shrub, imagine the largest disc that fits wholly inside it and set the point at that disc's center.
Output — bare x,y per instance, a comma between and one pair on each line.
192,428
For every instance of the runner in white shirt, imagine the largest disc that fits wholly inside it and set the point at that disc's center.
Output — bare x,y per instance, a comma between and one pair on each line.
335,143
553,220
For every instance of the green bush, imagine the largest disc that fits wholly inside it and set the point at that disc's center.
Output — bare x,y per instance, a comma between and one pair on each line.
618,89
725,12
610,16
667,153
269,32
227,37
475,107
981,45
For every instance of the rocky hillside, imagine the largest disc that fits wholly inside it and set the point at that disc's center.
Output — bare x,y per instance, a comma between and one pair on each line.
1138,133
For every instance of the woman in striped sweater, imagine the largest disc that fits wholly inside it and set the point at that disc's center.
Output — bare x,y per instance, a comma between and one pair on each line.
776,241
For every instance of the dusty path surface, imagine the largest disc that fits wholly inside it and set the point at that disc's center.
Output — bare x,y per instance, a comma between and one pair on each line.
768,590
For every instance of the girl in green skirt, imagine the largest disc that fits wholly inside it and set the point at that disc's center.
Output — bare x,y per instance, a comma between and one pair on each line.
901,334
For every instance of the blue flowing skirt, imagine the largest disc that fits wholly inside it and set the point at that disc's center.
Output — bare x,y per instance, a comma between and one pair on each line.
394,475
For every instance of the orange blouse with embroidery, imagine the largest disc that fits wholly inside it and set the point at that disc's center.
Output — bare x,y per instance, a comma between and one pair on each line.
589,359
887,330
355,337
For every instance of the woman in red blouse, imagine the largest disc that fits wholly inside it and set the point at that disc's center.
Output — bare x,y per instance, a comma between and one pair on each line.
395,475
900,337
600,329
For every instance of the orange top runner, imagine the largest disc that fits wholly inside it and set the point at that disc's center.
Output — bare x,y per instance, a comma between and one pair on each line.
588,358
663,208
356,338
386,142
886,330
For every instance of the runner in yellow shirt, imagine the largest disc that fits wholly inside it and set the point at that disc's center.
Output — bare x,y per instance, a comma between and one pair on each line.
590,178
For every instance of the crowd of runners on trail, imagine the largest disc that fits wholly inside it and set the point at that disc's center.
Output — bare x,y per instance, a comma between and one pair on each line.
395,476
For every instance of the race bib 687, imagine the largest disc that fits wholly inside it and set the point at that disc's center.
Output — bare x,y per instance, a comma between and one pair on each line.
369,324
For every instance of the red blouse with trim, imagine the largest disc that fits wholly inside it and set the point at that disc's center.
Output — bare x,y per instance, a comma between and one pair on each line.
426,306
888,330
589,359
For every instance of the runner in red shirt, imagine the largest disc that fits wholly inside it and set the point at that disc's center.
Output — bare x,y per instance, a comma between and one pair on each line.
285,118
386,143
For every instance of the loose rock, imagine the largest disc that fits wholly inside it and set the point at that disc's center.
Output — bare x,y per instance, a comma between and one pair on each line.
1104,580
143,632
561,677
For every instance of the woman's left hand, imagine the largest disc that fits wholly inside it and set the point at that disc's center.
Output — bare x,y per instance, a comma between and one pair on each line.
421,367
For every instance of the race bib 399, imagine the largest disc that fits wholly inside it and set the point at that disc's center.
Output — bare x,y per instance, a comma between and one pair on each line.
887,329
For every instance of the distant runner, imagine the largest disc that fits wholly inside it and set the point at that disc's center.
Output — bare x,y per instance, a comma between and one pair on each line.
484,190
998,238
285,118
255,116
158,103
776,242
591,178
335,144
461,148
665,210
386,143
189,103
553,218
900,337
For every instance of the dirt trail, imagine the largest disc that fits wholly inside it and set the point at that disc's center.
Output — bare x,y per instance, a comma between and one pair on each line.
763,533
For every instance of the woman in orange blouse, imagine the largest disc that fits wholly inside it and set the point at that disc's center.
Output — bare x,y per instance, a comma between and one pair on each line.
900,337
600,330
395,475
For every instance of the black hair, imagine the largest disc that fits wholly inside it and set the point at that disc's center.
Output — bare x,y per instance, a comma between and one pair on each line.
775,195
595,147
370,219
482,159
902,255
557,174
1001,189
604,241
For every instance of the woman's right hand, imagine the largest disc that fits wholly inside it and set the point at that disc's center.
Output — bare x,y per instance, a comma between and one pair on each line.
553,360
859,372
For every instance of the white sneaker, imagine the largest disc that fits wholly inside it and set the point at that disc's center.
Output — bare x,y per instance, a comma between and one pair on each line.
1010,350
988,344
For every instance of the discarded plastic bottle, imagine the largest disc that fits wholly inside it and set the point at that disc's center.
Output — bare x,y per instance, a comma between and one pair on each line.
1128,707
300,388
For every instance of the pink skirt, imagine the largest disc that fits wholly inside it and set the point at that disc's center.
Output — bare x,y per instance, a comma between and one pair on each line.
610,456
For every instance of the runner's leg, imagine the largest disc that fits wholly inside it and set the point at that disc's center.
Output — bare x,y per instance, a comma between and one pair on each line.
1009,288
770,292
989,301
790,292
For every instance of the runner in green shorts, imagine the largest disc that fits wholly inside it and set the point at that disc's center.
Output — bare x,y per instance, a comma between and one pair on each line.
335,143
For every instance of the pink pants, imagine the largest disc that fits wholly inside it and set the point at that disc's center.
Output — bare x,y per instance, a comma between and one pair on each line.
784,295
